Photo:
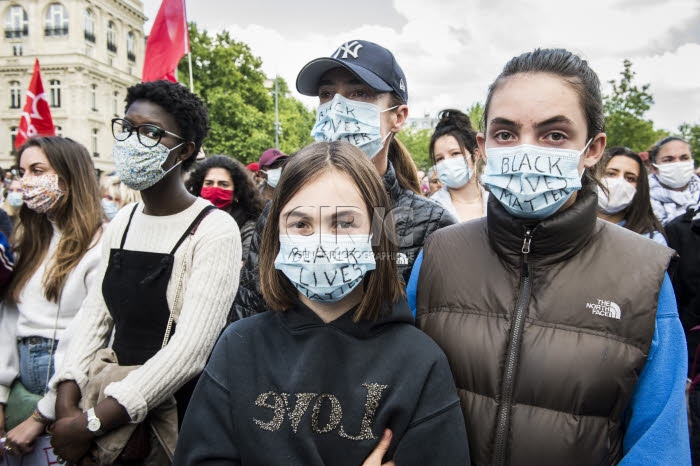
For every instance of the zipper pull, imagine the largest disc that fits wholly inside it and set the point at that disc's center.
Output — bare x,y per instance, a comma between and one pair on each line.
526,250
526,243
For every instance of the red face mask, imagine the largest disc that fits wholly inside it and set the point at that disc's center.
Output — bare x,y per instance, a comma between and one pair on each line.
220,197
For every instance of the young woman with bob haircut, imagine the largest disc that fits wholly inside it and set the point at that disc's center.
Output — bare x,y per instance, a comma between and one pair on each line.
319,380
56,241
623,197
563,333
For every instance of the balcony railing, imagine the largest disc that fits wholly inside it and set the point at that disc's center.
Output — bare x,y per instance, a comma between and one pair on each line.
111,47
15,33
56,31
90,36
131,56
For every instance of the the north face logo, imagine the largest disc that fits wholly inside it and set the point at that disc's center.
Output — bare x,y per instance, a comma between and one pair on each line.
351,48
605,309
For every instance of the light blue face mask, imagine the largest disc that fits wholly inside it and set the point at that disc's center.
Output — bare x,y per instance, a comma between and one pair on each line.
453,172
532,181
273,176
325,268
351,121
14,198
110,207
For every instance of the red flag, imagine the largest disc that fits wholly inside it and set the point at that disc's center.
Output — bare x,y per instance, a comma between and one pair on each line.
36,116
167,43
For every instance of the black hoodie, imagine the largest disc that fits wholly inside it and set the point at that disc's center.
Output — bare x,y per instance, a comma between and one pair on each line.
288,389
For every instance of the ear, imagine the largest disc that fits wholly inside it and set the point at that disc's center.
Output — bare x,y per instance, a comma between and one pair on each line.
401,114
481,143
595,150
186,151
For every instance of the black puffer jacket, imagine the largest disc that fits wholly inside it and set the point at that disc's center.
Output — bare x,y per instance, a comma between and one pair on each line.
415,218
684,236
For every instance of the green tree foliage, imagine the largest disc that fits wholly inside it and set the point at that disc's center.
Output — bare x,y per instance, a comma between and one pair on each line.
476,115
241,110
691,133
625,108
417,141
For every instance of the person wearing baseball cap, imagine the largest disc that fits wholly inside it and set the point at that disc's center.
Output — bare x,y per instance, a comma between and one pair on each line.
270,170
363,97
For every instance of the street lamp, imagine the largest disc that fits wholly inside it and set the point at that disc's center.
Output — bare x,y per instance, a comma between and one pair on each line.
270,84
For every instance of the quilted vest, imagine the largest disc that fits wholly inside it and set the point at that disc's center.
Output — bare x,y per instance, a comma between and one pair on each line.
547,327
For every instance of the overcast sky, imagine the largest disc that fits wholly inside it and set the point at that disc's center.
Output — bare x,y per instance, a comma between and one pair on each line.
451,50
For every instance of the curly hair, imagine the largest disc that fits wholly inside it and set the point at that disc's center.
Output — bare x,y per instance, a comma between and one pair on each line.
249,199
186,108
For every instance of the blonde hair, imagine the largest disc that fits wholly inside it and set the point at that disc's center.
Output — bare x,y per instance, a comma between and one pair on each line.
113,186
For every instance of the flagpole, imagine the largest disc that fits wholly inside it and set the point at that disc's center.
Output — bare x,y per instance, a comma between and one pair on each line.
189,60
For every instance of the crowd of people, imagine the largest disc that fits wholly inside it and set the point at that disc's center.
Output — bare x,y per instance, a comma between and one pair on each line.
530,298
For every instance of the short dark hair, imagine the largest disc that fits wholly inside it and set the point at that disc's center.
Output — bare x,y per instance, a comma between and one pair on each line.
249,199
186,108
566,65
654,151
639,215
382,285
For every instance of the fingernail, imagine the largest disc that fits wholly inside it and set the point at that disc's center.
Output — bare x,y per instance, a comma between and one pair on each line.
387,434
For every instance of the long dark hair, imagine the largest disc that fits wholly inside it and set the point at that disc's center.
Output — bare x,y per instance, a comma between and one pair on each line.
78,215
400,158
249,199
382,285
639,215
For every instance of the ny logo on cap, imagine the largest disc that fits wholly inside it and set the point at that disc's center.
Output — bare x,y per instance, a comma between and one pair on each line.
351,48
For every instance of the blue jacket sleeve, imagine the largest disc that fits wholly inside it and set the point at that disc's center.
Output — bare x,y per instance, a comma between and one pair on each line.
412,287
657,428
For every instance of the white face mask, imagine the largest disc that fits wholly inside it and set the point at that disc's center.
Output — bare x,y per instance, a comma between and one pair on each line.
675,175
273,176
619,197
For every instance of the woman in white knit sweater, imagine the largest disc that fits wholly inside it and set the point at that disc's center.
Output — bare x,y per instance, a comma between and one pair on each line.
172,255
56,240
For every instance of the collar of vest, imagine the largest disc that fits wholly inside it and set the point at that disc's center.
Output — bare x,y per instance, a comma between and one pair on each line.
391,183
554,239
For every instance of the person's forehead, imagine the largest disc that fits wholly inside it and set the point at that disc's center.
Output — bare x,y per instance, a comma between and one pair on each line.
674,148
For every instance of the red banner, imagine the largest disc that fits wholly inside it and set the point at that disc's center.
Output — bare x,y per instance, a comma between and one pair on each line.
167,43
36,116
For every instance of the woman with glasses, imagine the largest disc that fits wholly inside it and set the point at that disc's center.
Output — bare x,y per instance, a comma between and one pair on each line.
169,274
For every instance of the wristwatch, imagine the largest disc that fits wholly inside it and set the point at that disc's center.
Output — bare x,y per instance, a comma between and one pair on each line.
93,422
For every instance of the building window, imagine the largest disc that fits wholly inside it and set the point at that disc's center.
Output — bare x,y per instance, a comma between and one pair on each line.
56,21
59,131
16,23
115,103
89,20
130,46
17,50
13,136
111,37
93,97
55,93
15,95
95,138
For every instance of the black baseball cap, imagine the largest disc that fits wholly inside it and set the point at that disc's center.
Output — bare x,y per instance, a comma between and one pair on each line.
371,63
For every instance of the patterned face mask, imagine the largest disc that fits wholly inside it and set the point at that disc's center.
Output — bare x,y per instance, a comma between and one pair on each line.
138,166
41,193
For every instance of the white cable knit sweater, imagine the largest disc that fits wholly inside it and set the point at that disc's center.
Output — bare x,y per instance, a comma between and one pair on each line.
212,258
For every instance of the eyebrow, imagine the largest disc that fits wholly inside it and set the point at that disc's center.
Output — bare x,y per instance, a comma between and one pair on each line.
157,123
505,122
295,214
559,119
345,212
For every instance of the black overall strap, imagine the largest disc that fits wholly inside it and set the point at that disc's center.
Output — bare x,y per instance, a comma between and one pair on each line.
192,229
126,230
